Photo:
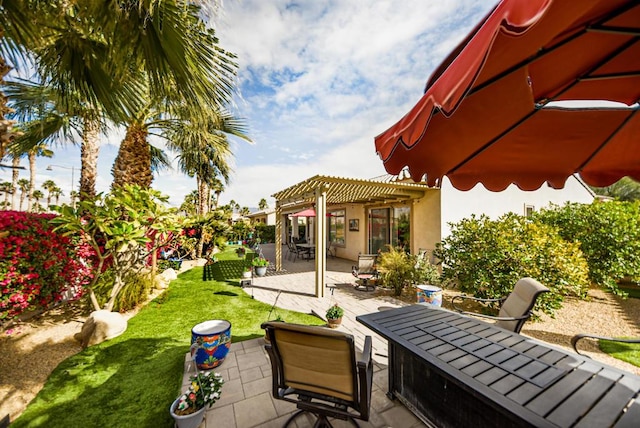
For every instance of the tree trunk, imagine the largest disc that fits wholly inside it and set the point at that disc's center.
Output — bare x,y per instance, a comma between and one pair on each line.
15,174
5,125
32,179
89,157
133,163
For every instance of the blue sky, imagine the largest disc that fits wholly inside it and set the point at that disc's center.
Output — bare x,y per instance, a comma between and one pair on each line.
318,80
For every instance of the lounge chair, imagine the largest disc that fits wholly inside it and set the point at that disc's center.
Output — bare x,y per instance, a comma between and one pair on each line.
515,309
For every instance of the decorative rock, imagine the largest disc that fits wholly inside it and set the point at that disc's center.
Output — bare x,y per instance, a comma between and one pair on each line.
169,274
100,326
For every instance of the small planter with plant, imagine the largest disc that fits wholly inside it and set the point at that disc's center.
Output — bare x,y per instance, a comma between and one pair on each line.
260,264
334,316
241,251
204,390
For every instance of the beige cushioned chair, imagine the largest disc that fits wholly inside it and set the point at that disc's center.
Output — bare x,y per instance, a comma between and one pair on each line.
320,371
515,309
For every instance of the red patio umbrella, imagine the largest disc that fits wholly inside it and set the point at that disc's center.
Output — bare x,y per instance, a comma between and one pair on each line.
309,212
485,114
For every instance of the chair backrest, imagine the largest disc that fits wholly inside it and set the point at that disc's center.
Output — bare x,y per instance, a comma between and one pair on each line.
367,263
314,362
520,302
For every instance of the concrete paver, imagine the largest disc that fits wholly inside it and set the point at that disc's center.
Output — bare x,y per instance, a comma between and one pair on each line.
246,399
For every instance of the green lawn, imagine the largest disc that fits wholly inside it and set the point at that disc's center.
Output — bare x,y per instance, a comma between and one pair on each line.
131,381
629,352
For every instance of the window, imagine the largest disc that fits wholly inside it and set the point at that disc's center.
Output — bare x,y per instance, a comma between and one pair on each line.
336,223
389,226
528,210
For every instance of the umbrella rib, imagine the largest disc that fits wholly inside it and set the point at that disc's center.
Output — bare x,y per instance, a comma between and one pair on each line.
543,52
606,141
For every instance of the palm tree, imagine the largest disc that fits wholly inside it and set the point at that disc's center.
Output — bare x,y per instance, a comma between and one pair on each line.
56,193
23,185
15,174
203,150
37,195
50,186
262,205
217,187
190,203
42,151
7,188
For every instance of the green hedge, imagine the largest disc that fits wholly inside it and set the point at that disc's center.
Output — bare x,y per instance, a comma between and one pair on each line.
608,234
486,258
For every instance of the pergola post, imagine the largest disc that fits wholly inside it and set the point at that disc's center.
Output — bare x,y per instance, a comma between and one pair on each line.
320,238
278,237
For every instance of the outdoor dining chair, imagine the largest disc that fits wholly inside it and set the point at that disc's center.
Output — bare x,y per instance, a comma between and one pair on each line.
366,271
515,309
320,371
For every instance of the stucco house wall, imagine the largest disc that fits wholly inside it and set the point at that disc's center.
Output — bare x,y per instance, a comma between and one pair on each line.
457,204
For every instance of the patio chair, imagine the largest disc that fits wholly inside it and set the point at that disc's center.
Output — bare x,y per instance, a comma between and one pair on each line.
366,271
515,309
320,371
575,339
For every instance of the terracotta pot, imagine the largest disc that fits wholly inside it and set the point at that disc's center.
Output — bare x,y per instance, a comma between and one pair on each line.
334,322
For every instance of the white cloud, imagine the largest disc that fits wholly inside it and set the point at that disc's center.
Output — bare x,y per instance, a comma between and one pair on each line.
319,80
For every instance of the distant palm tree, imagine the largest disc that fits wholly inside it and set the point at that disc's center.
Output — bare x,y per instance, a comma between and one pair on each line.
50,186
57,192
262,205
40,150
37,195
245,211
15,174
7,188
23,185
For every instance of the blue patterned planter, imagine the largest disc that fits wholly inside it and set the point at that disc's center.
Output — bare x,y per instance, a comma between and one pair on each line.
210,343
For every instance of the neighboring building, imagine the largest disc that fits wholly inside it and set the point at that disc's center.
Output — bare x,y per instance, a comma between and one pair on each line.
363,216
267,217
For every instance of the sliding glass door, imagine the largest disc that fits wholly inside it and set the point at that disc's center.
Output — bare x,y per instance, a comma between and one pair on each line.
389,226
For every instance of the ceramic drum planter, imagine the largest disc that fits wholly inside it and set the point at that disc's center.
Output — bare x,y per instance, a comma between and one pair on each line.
210,343
429,294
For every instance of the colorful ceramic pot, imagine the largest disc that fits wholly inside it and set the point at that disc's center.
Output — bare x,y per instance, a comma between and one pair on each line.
429,294
210,343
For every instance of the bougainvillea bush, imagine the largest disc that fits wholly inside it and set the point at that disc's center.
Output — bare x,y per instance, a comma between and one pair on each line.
37,266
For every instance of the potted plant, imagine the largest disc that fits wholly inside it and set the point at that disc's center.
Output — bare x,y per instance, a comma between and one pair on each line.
188,409
334,316
247,272
260,263
240,251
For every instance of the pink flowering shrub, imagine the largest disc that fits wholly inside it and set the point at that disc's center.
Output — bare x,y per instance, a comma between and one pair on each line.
37,265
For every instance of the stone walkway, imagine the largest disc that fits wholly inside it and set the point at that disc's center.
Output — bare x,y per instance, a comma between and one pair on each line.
246,399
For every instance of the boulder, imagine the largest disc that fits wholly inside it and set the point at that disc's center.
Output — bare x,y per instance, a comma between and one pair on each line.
100,326
169,274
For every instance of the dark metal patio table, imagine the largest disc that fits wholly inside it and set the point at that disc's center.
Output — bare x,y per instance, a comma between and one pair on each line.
452,370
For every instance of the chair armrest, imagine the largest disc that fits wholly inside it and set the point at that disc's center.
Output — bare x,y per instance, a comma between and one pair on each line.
365,378
495,318
475,299
578,337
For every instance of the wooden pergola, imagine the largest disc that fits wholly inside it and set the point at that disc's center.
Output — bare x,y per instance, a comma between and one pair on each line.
325,190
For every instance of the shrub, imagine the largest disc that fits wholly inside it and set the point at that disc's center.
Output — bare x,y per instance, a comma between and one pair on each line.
396,269
608,234
266,233
486,258
37,265
135,291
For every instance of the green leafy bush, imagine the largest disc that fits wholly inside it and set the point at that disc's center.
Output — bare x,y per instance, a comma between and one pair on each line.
265,232
486,258
396,269
608,234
